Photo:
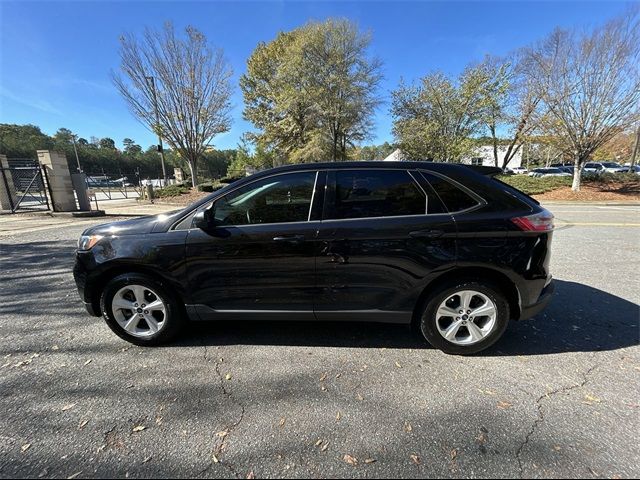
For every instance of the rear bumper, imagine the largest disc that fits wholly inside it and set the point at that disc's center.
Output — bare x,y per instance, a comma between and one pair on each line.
541,304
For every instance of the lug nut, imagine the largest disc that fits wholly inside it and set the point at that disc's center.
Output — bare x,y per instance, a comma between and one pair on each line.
135,304
461,312
146,312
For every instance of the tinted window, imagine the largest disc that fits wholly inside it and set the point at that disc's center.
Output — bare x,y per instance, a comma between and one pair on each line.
376,193
277,199
453,197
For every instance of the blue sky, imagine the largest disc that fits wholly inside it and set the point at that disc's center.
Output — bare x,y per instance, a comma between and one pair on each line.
56,57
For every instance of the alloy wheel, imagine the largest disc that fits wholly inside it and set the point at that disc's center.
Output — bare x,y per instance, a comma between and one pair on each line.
140,311
466,317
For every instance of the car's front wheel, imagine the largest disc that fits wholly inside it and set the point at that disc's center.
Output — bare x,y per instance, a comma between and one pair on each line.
465,317
140,310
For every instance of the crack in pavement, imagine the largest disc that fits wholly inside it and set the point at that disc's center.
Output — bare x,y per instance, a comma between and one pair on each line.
540,416
221,444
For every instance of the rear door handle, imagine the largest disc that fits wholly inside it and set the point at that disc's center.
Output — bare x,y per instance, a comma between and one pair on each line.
426,233
289,238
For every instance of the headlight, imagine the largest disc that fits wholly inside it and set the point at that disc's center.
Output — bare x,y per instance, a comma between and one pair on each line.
86,242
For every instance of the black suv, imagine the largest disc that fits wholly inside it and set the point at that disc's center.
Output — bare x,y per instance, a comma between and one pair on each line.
446,248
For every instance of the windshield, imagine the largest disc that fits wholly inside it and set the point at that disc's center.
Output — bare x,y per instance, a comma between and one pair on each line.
610,164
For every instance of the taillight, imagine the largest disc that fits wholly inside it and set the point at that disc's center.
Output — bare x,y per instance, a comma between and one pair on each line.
538,222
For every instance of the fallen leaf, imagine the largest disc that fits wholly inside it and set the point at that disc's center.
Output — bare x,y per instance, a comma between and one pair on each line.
55,347
398,365
68,407
214,458
139,428
350,460
87,362
82,424
250,475
74,475
407,427
557,448
415,459
338,375
25,447
324,447
504,405
370,460
338,417
319,442
147,459
591,398
228,376
453,454
222,434
323,377
323,388
359,397
282,421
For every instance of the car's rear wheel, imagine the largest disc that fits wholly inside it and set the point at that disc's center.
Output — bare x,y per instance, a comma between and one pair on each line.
141,310
465,317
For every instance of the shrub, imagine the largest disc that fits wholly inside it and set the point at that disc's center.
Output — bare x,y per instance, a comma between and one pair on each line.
231,178
171,191
535,185
209,187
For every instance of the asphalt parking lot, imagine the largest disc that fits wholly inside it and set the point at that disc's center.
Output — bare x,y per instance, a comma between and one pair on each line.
558,396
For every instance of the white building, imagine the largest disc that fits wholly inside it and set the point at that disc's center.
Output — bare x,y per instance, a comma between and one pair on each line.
480,156
484,156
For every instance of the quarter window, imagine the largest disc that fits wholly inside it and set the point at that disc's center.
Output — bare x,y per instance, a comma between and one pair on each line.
278,199
376,193
453,197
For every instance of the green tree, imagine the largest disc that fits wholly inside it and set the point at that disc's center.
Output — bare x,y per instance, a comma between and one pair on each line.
107,143
22,141
130,147
437,119
312,91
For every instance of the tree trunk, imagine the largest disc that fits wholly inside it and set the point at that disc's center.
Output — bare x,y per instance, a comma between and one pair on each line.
194,169
577,170
495,144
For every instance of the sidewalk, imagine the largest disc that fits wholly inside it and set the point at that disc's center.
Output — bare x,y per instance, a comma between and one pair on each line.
12,224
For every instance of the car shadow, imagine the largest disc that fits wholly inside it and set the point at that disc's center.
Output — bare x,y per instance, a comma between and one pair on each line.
579,318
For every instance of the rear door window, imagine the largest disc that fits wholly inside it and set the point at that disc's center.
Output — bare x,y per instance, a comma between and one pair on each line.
454,198
375,193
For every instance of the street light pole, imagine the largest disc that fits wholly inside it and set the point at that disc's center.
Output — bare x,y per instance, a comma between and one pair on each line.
155,106
73,139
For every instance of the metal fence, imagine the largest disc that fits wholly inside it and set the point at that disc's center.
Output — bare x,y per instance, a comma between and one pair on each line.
112,186
24,182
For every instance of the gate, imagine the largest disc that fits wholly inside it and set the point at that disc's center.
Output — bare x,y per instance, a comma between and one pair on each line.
103,186
25,185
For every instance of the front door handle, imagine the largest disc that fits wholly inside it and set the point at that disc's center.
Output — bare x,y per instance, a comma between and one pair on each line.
289,239
426,233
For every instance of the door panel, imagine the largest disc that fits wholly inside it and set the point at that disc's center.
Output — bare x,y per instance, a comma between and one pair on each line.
257,259
254,268
375,268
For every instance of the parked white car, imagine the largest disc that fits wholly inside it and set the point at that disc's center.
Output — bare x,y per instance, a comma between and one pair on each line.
518,170
548,172
603,167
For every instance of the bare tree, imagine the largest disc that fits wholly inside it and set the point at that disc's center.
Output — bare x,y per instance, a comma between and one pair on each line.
191,88
511,105
589,85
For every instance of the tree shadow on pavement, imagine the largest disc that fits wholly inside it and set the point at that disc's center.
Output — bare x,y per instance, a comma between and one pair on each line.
579,318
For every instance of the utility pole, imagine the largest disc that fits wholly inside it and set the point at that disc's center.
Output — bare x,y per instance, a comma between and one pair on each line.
152,81
634,155
73,139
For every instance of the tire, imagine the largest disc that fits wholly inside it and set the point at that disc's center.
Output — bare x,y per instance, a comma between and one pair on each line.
168,319
474,334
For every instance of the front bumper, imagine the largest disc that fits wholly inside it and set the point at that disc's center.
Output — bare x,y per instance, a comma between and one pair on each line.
80,275
541,304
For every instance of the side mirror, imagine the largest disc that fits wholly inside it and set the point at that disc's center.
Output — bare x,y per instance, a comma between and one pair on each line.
203,220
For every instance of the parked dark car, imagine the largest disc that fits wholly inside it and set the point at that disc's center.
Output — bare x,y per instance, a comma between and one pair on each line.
443,247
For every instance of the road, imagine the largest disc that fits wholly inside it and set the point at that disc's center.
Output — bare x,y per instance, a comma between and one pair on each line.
556,397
